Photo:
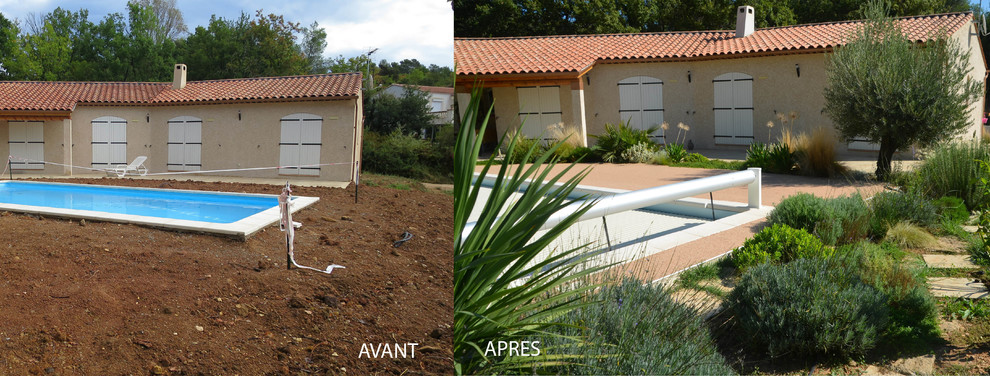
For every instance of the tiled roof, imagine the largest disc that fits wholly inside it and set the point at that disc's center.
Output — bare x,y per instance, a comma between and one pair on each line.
63,96
268,88
575,53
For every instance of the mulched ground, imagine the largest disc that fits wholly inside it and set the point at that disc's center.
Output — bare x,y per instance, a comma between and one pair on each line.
113,299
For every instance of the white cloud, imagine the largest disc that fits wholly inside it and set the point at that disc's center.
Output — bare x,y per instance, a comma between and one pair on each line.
17,9
400,29
420,29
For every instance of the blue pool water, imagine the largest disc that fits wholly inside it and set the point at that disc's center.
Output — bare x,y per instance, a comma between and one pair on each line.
195,206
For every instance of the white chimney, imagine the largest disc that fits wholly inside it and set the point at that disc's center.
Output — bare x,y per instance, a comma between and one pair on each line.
179,77
744,21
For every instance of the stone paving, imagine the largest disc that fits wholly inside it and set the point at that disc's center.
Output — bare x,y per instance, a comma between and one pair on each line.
949,261
957,288
954,287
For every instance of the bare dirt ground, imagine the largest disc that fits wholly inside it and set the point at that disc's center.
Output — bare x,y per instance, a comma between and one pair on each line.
115,299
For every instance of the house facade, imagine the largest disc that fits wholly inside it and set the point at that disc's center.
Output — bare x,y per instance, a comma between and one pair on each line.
724,85
308,125
441,100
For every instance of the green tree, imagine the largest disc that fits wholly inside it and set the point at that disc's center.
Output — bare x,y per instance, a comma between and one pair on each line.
169,21
48,55
209,49
99,50
314,41
360,63
895,92
406,113
507,18
11,55
412,72
259,47
148,58
270,48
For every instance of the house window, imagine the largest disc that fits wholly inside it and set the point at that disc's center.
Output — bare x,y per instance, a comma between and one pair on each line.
641,104
733,109
299,148
109,141
436,105
539,108
27,141
185,143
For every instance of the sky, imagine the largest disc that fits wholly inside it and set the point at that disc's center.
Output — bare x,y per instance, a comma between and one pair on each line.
399,29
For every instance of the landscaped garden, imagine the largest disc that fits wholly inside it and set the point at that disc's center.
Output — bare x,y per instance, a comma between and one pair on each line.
799,154
830,285
839,285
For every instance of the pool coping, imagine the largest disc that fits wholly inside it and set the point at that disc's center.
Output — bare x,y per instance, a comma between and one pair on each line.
742,215
649,248
241,229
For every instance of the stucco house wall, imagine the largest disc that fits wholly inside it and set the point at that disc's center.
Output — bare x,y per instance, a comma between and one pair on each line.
227,143
53,134
785,80
969,39
235,133
776,88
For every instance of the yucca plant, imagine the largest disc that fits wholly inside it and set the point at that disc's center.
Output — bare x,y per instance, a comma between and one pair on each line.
502,290
618,138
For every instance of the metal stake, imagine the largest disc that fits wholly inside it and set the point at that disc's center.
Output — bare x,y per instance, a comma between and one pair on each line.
712,198
607,239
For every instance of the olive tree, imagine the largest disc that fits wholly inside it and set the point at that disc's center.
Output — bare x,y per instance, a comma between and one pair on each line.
888,89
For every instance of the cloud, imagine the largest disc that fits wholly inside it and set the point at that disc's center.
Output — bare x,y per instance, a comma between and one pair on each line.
420,29
404,29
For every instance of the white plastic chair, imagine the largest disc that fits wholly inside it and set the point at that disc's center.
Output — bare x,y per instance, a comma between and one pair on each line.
137,166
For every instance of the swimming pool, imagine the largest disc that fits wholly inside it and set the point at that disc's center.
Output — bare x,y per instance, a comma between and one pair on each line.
625,236
238,214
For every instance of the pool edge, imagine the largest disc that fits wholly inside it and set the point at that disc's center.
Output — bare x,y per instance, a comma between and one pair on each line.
241,229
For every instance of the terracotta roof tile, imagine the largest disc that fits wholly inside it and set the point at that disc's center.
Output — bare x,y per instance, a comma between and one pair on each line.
575,53
63,96
289,87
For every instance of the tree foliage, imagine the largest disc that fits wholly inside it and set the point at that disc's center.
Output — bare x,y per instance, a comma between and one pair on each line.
895,92
169,23
410,112
245,47
314,41
503,18
144,42
8,46
412,72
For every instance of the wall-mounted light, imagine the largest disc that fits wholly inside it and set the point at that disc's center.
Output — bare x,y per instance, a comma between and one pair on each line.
238,115
147,117
798,69
689,76
587,80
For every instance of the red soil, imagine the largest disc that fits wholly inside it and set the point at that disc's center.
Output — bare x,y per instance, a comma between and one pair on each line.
112,299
